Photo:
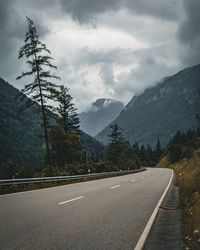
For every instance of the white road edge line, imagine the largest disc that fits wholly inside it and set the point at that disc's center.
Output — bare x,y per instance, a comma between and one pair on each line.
143,237
78,198
115,186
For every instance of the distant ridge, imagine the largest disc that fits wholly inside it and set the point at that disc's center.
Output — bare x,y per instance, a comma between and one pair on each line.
100,114
161,110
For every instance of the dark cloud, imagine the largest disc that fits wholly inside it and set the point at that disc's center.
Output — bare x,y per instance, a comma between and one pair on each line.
141,68
190,28
9,31
12,33
148,73
13,24
88,10
116,55
121,56
121,68
4,13
189,32
166,10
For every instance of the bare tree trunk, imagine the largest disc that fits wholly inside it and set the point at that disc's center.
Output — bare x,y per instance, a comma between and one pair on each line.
44,121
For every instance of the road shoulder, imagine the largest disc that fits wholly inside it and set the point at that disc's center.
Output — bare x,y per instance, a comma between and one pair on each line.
166,232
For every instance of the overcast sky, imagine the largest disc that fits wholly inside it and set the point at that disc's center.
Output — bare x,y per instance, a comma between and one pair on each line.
104,48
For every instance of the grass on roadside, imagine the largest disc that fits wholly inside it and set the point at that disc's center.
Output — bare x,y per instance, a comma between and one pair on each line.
188,178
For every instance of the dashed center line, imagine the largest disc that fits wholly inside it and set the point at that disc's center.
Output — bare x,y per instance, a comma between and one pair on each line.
78,198
133,180
115,186
142,177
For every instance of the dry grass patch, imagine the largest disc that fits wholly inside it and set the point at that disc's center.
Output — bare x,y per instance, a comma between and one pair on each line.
188,178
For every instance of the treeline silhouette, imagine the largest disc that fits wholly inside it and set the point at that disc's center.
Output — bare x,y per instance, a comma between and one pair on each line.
68,157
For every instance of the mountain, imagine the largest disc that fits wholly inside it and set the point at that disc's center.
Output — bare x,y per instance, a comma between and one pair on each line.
19,134
161,110
101,113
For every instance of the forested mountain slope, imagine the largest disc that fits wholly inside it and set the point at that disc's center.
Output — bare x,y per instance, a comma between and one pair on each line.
161,110
20,138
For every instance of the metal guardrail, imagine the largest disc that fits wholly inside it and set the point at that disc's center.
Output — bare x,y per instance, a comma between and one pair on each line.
7,182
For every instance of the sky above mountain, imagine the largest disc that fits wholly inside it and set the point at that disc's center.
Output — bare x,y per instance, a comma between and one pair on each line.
104,48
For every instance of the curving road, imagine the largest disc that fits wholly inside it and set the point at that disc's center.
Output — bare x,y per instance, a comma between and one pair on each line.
105,214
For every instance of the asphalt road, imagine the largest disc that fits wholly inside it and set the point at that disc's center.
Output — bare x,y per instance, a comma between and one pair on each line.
105,214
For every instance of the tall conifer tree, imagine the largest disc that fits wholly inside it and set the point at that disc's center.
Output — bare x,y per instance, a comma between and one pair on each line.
40,90
114,149
66,110
65,135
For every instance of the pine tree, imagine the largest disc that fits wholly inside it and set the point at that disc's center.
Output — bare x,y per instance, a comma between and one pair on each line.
114,149
177,138
116,133
158,151
40,90
175,152
65,135
66,111
65,146
158,146
142,152
149,155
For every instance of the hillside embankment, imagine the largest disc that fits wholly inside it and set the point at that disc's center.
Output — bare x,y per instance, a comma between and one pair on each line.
188,179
